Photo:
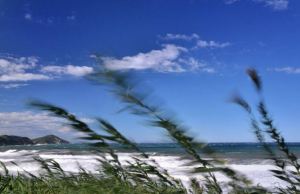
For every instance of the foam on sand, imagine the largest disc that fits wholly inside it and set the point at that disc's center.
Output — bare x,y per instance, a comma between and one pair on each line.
258,173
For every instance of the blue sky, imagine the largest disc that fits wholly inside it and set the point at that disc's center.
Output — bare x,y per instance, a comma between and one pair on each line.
192,53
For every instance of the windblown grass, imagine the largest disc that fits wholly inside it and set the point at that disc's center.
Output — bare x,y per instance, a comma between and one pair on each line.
142,174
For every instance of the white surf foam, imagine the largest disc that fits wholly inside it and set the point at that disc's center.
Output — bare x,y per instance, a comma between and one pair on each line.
258,173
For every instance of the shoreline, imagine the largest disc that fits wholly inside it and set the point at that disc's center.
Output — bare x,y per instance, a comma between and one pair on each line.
258,173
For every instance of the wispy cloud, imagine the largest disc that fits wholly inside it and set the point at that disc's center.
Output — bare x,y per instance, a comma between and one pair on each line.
261,43
69,69
44,18
50,20
28,16
12,65
23,77
209,70
158,60
199,42
9,86
71,17
276,5
14,69
180,36
26,69
170,59
211,44
193,63
288,70
33,124
230,1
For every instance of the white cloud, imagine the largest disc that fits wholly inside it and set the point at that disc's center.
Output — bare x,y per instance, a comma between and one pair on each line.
25,69
180,36
33,124
8,86
69,69
193,63
211,44
12,65
22,122
261,43
14,69
288,70
72,17
31,60
78,70
28,16
230,1
23,77
53,69
199,43
275,4
159,60
209,70
86,120
278,4
50,20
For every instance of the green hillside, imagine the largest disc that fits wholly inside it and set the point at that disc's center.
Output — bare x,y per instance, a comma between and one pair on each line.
14,140
49,139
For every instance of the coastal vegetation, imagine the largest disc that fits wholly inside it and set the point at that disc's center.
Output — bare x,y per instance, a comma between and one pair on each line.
49,139
14,140
17,140
144,175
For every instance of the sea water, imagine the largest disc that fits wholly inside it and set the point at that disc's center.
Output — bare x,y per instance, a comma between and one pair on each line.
247,158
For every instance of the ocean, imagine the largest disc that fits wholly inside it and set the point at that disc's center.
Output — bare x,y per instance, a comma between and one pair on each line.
247,158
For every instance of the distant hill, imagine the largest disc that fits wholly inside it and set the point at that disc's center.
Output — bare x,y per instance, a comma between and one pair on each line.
49,139
14,140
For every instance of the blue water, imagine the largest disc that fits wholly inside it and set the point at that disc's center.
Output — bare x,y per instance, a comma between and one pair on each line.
226,150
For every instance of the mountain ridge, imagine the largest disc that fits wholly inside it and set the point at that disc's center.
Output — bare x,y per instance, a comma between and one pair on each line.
18,140
49,139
